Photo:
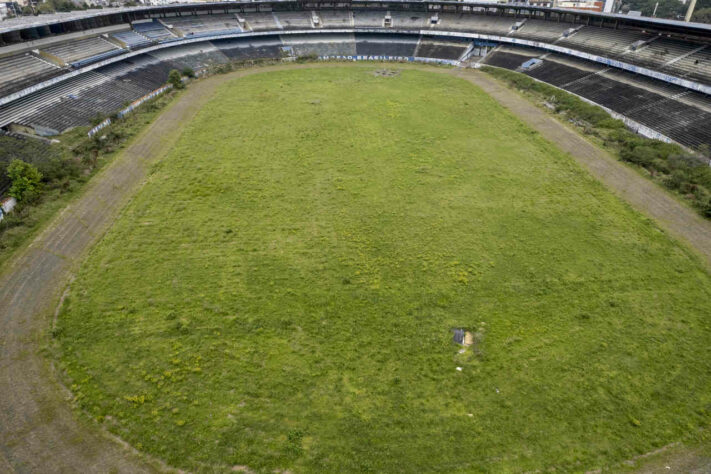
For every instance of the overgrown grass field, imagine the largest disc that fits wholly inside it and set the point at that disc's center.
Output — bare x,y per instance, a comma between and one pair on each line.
281,293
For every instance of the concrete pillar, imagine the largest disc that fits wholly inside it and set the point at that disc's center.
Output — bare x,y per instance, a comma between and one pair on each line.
690,10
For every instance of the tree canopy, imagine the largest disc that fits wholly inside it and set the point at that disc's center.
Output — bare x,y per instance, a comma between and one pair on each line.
25,179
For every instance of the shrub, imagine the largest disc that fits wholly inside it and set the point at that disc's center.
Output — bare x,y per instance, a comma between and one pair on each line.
612,124
640,155
97,119
701,175
175,79
25,179
676,179
683,161
706,209
660,166
13,219
307,57
222,68
57,169
702,196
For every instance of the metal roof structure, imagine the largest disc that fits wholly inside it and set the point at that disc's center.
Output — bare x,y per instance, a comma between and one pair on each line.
29,21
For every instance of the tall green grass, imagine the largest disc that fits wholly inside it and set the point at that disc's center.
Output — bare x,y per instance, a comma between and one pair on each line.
281,293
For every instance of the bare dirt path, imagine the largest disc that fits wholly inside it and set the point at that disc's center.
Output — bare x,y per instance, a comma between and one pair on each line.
647,197
39,432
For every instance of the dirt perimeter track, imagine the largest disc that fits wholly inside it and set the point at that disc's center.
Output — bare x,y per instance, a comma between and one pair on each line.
39,432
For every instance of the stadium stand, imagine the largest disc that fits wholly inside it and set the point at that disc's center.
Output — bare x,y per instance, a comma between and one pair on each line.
368,19
487,24
662,88
240,50
294,20
261,21
27,106
78,100
144,71
510,57
695,99
392,45
605,41
337,19
22,70
695,65
656,107
557,74
409,20
321,45
96,58
73,51
131,39
539,30
153,30
655,103
555,69
623,97
685,124
193,56
195,25
72,110
449,49
662,51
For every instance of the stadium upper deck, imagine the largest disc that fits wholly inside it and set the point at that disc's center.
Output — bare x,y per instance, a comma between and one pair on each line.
32,28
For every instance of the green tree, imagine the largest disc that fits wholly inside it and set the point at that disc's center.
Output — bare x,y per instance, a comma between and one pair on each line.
175,79
702,16
25,179
45,8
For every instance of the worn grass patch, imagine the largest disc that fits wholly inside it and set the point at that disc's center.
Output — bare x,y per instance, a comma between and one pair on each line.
281,294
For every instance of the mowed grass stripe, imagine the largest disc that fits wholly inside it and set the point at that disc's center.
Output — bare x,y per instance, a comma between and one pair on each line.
280,294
